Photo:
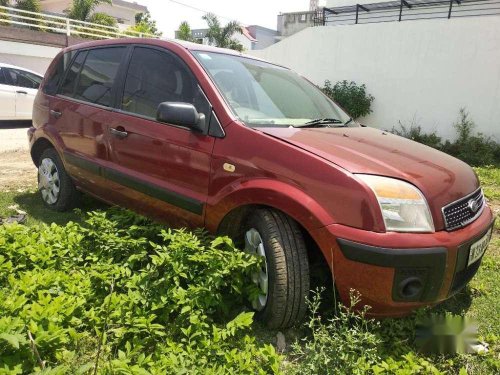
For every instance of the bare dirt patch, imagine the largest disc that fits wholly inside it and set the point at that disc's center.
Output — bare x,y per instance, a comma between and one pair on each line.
16,170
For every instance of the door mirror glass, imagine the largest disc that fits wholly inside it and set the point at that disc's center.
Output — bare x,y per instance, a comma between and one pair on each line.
182,114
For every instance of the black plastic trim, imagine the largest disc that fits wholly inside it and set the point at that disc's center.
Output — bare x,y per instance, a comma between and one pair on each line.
430,262
171,197
463,274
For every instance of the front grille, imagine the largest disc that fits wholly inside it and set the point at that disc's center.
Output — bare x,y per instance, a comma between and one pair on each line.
459,213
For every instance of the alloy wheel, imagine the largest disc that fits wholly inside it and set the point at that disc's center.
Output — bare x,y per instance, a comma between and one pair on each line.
49,182
254,245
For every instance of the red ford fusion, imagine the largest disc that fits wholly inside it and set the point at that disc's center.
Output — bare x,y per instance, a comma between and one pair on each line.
196,136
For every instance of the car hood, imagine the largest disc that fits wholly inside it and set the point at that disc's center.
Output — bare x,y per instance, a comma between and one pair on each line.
440,177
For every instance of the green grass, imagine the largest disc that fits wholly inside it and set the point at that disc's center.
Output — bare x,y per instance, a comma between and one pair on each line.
394,337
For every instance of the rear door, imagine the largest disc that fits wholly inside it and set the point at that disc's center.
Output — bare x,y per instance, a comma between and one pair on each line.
81,112
7,97
26,85
159,168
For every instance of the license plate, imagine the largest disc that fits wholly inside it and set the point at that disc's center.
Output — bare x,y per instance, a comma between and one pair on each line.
478,248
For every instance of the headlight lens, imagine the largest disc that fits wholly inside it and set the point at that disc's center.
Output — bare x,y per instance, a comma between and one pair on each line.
403,206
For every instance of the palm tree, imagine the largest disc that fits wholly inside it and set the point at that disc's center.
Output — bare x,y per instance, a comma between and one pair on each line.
184,32
82,9
222,36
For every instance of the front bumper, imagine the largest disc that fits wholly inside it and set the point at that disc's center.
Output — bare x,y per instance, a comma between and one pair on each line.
398,272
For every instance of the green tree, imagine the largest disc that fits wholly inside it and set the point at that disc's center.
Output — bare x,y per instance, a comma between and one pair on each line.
184,32
145,24
221,36
4,3
82,9
31,6
103,19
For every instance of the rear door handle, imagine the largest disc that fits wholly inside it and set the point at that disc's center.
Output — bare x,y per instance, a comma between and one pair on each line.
118,133
56,114
22,92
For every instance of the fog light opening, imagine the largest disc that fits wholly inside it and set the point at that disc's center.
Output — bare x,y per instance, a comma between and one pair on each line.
410,288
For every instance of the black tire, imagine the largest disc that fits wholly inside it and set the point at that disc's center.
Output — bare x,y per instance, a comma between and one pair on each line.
68,197
287,267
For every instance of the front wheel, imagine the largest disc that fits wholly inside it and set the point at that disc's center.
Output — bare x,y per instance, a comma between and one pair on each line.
283,279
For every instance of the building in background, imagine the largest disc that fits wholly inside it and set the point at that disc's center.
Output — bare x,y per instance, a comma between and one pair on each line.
292,23
123,11
253,37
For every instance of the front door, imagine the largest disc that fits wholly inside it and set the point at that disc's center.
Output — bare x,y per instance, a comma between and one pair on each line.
160,168
7,97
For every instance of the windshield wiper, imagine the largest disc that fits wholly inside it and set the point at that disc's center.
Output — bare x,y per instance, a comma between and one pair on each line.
348,121
319,122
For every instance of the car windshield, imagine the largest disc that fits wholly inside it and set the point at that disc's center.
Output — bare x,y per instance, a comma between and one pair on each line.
263,94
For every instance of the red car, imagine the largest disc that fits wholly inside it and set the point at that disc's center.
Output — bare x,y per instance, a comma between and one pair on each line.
202,137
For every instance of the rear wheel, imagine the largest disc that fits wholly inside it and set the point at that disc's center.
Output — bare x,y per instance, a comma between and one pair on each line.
56,188
283,279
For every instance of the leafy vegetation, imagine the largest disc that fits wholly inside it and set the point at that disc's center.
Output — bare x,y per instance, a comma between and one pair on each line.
184,32
350,96
110,288
144,24
122,294
31,6
473,148
221,36
82,10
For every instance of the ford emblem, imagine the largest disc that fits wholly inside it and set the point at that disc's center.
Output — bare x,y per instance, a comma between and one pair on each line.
473,205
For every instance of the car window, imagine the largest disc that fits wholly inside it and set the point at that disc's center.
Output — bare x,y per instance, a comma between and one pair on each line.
154,77
55,77
68,85
3,80
22,78
98,75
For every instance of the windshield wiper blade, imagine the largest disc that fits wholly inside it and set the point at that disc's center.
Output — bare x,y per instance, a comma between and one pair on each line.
319,122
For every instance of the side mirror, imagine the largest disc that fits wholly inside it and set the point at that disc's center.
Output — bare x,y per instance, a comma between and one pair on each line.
182,114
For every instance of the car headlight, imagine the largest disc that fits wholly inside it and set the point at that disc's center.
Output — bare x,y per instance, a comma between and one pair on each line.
403,206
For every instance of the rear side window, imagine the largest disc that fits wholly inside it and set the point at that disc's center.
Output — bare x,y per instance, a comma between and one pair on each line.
56,75
68,86
98,75
154,77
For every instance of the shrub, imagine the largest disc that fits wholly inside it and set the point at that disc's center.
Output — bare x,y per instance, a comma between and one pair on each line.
475,149
350,96
350,343
344,344
128,296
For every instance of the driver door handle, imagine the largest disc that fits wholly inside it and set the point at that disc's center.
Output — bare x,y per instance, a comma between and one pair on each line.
22,92
118,133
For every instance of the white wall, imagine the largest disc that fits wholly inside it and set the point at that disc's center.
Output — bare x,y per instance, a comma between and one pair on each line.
425,69
30,56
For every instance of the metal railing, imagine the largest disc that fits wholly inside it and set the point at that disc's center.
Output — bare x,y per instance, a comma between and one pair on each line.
405,10
62,25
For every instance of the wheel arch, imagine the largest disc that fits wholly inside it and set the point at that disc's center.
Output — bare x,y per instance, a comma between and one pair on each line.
40,145
232,226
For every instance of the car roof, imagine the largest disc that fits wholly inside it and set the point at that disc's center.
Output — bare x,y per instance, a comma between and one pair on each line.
3,65
165,42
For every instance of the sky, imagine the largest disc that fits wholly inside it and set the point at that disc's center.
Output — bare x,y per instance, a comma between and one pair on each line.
168,14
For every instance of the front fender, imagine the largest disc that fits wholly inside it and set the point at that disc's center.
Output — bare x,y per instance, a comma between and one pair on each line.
266,192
